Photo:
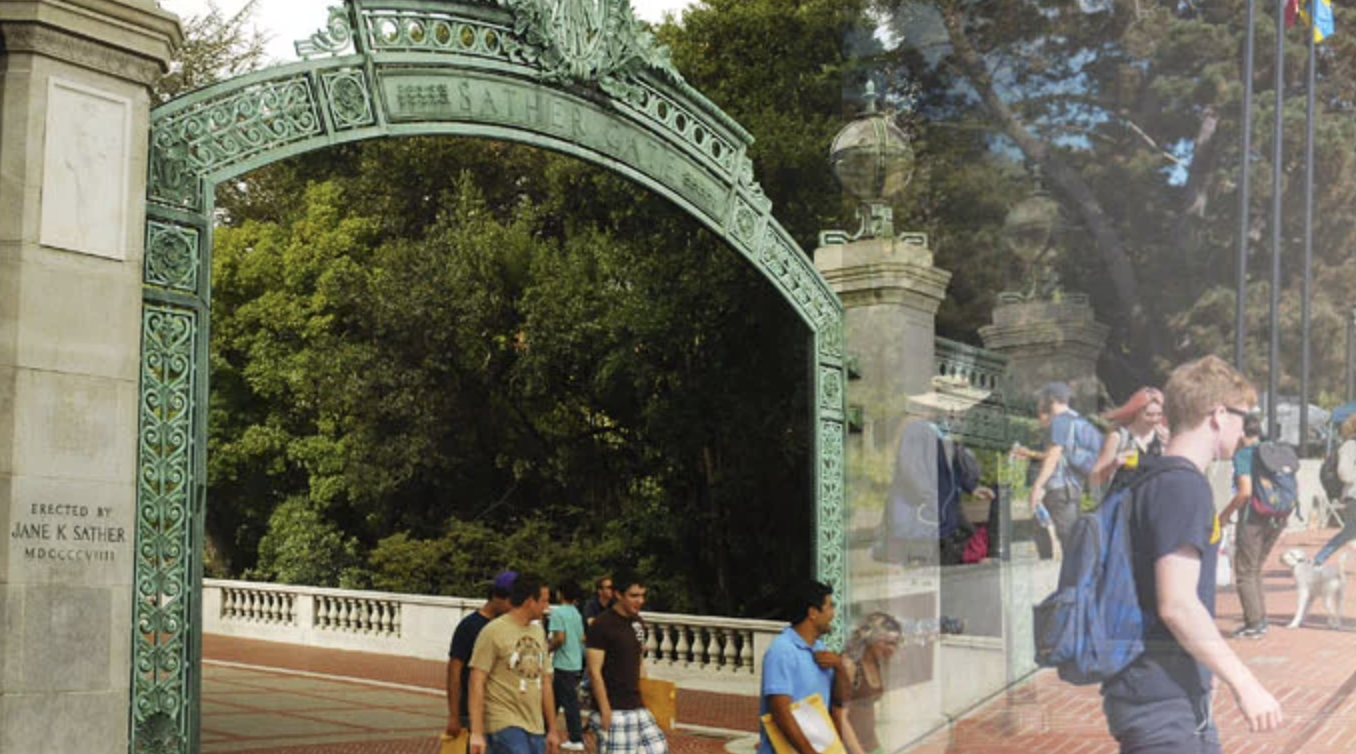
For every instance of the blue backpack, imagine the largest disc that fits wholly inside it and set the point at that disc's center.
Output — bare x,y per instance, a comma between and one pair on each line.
1081,446
1275,490
1092,627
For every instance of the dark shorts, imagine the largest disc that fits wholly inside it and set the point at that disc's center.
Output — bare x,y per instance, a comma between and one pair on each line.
514,741
1166,726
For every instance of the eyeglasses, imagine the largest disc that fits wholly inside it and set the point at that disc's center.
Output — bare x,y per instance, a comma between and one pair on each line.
1240,413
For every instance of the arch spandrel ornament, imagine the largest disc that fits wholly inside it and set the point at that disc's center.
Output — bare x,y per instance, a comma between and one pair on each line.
582,77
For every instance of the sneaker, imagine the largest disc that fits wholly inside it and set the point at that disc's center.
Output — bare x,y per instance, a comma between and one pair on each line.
572,746
1249,632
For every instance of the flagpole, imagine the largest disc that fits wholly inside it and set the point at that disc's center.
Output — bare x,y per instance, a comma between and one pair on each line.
1273,353
1244,200
1308,230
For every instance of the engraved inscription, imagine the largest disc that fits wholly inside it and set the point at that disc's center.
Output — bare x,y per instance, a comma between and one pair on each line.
68,533
470,98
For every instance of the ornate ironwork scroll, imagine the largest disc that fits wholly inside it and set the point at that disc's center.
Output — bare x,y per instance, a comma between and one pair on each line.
165,546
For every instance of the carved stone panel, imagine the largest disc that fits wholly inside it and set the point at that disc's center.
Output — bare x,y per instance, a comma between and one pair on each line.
86,170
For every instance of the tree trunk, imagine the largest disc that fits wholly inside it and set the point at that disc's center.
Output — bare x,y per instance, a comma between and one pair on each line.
1129,309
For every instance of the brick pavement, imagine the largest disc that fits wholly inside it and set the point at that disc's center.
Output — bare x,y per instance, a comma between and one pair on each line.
1311,670
250,709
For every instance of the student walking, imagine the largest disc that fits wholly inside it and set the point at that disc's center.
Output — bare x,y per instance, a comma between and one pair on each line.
463,643
616,662
1161,702
1346,471
513,710
567,659
1254,536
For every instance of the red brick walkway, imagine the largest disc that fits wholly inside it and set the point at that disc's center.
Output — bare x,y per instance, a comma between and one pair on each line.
1311,670
231,700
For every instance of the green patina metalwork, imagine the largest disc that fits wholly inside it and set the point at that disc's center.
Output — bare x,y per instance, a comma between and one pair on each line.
582,77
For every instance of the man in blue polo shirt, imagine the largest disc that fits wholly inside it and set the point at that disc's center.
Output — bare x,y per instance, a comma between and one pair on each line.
797,664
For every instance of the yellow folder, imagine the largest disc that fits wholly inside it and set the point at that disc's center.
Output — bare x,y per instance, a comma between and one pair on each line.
814,721
458,744
661,699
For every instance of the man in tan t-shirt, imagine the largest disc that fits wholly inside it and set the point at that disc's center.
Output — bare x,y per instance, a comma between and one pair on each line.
511,704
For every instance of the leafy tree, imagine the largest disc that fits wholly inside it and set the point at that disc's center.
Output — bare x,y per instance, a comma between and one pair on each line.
216,47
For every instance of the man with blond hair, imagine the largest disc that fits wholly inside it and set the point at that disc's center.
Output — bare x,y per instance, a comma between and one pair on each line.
1161,702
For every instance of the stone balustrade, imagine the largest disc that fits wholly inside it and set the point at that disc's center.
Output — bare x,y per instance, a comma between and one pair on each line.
700,652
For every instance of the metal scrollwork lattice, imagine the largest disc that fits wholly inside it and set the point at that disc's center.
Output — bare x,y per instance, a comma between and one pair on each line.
164,538
171,257
336,38
227,130
350,101
832,547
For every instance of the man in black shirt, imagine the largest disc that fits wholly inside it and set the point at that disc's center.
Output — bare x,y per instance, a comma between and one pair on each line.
463,642
616,663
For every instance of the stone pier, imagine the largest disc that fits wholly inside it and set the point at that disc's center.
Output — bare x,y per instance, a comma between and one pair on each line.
74,83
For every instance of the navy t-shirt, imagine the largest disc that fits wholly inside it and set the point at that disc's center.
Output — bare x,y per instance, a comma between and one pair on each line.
463,642
1172,510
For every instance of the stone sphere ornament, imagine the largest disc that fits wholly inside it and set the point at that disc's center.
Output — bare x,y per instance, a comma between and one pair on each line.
871,156
1029,226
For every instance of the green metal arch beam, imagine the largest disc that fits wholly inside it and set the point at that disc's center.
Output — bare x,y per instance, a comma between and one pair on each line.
587,80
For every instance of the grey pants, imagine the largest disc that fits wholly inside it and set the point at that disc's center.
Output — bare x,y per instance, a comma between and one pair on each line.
1253,541
1166,726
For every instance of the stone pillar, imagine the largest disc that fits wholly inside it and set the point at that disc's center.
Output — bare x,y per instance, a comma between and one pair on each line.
74,111
1050,340
890,292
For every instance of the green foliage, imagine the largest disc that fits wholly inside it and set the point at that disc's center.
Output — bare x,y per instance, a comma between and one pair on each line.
519,360
303,546
216,47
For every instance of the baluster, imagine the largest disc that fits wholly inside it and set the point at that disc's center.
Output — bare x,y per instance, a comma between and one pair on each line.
322,607
712,649
395,620
729,659
365,617
346,611
227,603
746,651
652,642
683,647
271,609
666,643
291,609
251,599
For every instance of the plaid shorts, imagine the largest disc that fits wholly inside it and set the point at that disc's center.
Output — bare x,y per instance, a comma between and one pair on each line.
633,731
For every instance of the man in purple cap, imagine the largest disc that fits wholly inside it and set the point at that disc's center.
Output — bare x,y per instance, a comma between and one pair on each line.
463,642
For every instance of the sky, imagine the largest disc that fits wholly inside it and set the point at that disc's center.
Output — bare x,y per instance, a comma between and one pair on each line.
286,21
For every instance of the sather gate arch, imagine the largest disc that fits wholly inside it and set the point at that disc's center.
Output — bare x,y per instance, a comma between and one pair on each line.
580,77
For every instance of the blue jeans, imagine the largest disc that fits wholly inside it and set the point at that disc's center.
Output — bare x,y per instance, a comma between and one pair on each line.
1342,537
1166,726
565,686
514,741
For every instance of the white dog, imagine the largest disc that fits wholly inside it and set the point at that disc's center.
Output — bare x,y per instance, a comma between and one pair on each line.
1311,581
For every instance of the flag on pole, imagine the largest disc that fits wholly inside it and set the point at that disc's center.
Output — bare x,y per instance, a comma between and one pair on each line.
1323,25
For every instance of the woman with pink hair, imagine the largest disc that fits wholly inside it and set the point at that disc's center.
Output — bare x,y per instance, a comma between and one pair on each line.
1140,431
